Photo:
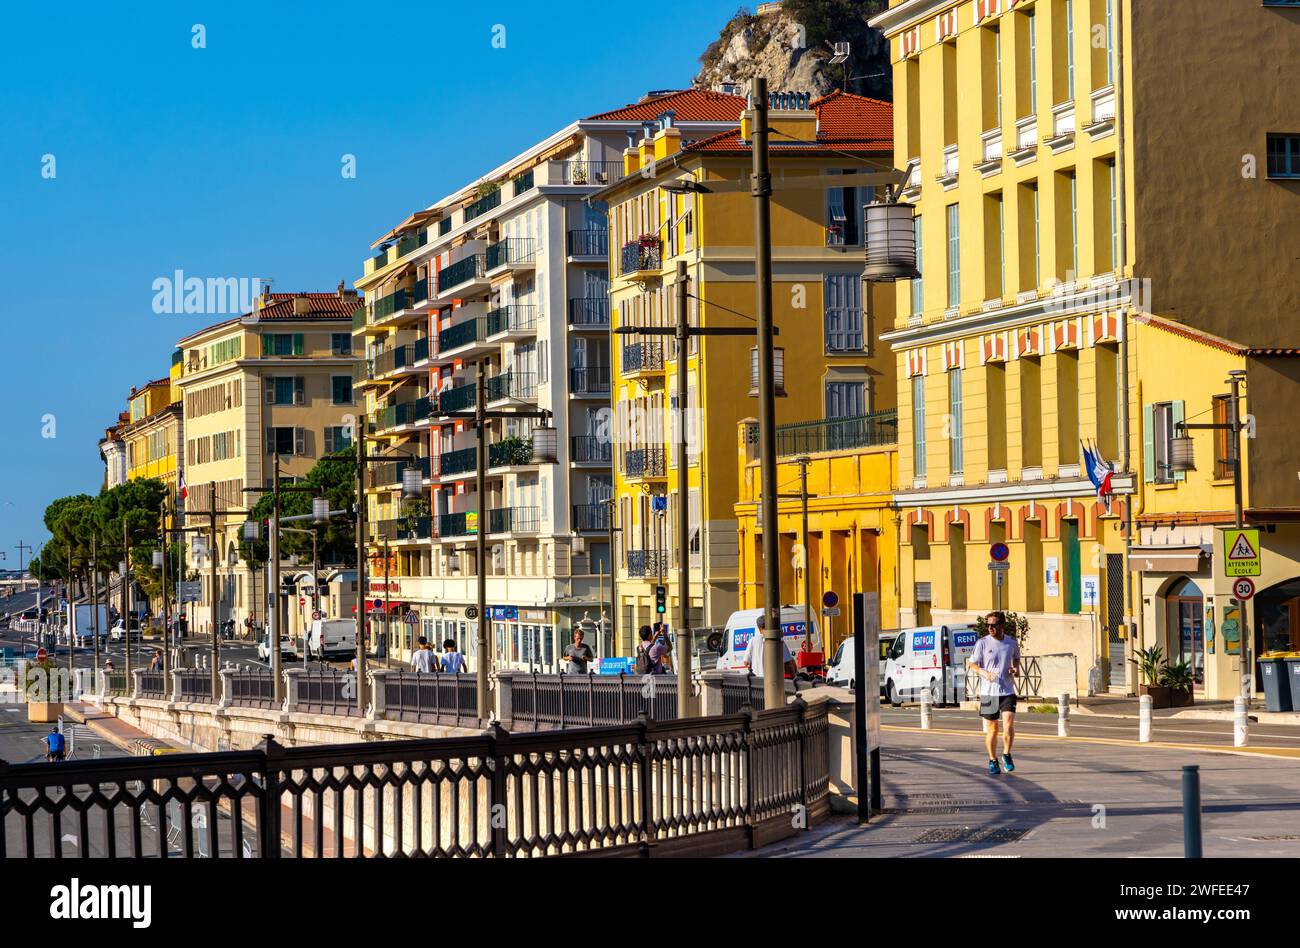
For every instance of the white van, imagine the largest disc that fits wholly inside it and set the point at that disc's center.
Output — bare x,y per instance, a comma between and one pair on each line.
742,625
932,658
840,669
332,638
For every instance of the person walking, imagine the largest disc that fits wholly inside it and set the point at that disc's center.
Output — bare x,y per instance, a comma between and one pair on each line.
650,653
996,660
754,653
578,653
424,662
453,662
156,662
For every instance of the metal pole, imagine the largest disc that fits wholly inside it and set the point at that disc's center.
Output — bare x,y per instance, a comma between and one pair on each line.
613,578
214,673
480,539
72,610
388,611
761,189
126,597
1236,450
1191,812
685,704
807,556
167,644
273,627
361,563
94,594
315,594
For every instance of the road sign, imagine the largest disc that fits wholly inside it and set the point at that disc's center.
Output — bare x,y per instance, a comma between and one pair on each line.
831,611
302,601
999,567
41,654
188,590
412,617
1241,552
999,552
1091,590
316,613
830,599
471,612
377,604
1243,588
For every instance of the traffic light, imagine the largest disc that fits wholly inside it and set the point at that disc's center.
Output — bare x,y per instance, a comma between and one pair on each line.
661,600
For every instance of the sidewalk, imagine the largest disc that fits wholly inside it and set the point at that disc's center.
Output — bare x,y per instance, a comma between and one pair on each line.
1123,706
118,732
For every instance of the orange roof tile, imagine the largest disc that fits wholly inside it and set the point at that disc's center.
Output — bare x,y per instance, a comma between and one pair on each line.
844,121
690,105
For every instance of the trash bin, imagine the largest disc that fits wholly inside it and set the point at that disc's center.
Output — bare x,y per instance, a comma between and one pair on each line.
1273,678
1292,663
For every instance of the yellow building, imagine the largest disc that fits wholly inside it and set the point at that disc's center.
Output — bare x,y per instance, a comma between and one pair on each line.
275,381
153,433
1049,234
852,467
831,366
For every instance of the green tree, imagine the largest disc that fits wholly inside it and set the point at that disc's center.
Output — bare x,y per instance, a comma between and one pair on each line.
1017,626
332,477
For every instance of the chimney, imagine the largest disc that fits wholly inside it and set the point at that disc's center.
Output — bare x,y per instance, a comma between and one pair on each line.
790,116
340,292
301,305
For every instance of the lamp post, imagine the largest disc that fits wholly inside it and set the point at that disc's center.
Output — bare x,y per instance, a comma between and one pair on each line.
94,594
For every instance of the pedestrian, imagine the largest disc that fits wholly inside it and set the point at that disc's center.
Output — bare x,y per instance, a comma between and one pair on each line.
650,653
578,653
424,662
754,652
53,745
996,660
156,663
453,662
108,666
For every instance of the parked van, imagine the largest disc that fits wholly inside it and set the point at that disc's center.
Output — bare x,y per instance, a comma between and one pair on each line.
840,669
332,638
932,658
742,625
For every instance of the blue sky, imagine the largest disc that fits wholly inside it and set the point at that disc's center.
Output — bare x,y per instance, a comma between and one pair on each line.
225,161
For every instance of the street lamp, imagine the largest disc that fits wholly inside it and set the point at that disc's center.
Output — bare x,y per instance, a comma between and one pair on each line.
412,483
157,559
320,510
891,242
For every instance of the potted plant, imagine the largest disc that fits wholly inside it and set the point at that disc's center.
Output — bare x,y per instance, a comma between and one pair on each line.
412,512
1179,678
580,174
40,685
1150,663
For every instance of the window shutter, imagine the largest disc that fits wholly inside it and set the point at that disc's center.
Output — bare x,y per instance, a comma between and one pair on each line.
299,389
270,441
297,343
269,386
1148,444
299,441
268,344
1177,413
329,440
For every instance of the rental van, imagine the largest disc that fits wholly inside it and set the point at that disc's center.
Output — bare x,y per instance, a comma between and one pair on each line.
332,638
840,669
742,625
930,658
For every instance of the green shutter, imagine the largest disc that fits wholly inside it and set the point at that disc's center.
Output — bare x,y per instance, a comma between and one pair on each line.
1148,444
268,344
297,343
1177,418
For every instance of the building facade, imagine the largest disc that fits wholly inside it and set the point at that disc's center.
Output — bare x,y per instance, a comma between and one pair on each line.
831,366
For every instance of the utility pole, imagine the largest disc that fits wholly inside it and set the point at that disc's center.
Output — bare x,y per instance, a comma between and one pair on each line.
126,596
167,635
684,643
613,577
361,563
72,611
388,611
761,189
273,627
803,462
94,593
21,547
214,674
480,538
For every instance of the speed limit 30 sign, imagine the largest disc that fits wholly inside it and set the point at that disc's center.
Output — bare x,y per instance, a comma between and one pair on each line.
1243,588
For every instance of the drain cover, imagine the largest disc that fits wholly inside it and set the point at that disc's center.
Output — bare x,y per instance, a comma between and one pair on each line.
972,834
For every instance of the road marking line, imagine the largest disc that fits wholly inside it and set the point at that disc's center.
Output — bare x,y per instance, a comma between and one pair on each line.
1210,748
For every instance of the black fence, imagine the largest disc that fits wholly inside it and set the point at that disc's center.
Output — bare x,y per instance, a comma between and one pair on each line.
740,691
533,702
250,688
700,786
450,700
194,685
153,684
325,692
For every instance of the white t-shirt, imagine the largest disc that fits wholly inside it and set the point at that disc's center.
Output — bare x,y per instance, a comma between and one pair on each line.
424,661
754,654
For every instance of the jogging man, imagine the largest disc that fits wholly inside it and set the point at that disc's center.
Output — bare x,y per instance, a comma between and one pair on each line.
996,659
53,745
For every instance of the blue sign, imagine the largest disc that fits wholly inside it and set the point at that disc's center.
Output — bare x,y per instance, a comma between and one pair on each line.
740,637
830,599
922,641
999,552
659,503
964,639
505,613
614,666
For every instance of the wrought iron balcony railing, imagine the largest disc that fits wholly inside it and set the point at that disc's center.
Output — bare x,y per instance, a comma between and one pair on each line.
645,462
591,172
647,563
511,250
589,380
838,434
589,242
404,528
590,449
514,317
389,473
462,271
640,255
459,398
484,204
590,517
514,520
590,311
456,524
462,334
643,357
520,385
405,413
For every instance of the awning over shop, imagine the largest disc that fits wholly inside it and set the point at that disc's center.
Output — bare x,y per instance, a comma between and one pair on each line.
1168,559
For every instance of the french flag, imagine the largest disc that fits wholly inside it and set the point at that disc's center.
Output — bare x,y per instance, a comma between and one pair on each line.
185,493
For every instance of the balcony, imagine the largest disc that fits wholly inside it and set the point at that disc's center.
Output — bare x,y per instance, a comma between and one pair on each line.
520,386
400,359
514,520
589,312
948,176
641,563
452,463
1103,112
510,452
1026,140
388,474
359,318
589,381
591,518
412,243
643,358
398,303
641,257
588,449
838,434
460,398
644,464
590,173
523,183
515,321
592,244
991,152
484,204
464,275
457,524
404,528
1062,128
514,253
464,339
402,414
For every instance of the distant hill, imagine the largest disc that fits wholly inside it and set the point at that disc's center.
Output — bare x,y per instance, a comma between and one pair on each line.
789,43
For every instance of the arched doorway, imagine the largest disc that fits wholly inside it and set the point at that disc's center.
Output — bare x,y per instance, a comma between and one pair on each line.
1186,626
1277,618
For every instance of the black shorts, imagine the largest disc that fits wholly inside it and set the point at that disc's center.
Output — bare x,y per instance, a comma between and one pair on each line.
994,706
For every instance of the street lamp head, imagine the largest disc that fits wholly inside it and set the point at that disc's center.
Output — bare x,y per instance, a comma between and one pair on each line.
546,443
778,372
891,242
252,530
157,559
320,510
412,483
1182,458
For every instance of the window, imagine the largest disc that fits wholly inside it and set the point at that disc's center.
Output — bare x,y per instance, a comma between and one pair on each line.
995,243
996,405
844,213
1067,407
282,344
954,257
918,424
955,461
918,296
1110,42
341,389
285,440
846,399
286,390
341,343
1222,438
957,564
1160,422
842,301
1069,49
1030,20
1284,156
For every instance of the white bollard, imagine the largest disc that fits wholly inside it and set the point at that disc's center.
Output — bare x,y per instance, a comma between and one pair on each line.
1144,719
1063,716
1240,722
925,709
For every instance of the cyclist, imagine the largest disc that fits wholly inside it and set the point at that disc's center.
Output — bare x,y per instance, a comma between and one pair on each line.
54,746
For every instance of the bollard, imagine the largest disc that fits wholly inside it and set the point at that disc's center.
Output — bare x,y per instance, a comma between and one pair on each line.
925,709
1063,716
1240,722
1144,719
1191,812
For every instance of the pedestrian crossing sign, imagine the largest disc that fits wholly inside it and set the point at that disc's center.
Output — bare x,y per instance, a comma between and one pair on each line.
1241,553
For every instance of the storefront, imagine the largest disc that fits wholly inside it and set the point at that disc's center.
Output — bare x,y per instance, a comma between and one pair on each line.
526,638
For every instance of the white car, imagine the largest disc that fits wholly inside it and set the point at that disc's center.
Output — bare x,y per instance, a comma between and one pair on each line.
286,648
840,669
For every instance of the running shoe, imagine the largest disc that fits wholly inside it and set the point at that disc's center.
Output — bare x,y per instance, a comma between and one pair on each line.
1008,763
993,768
